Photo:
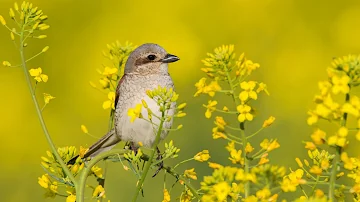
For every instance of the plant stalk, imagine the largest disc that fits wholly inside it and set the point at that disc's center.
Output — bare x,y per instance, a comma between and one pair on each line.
336,160
148,164
38,110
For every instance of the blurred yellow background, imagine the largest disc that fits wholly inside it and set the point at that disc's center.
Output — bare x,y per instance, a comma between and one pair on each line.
293,40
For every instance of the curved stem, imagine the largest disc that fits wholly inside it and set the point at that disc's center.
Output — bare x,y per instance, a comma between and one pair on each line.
80,188
172,172
38,111
148,164
252,135
184,161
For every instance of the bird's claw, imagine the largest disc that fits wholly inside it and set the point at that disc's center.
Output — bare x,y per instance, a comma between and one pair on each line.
161,164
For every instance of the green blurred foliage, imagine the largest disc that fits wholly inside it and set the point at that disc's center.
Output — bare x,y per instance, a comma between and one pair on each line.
294,42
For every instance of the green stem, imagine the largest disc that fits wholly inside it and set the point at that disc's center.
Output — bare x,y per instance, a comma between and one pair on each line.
252,135
80,188
172,172
38,111
184,161
336,160
243,135
314,187
148,164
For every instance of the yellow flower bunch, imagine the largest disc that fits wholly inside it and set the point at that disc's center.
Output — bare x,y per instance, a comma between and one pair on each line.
29,22
228,75
329,161
116,54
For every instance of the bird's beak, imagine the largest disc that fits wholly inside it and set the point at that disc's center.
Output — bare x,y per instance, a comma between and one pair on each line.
170,58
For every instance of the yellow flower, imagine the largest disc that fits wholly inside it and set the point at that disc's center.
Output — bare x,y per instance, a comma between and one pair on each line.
319,193
298,161
325,164
38,75
235,156
315,170
248,91
166,196
109,72
322,110
268,122
105,82
71,198
218,133
44,181
99,191
245,114
212,88
135,112
190,174
6,64
2,20
84,129
263,193
82,151
221,190
273,145
324,87
352,107
47,98
111,102
215,165
340,84
287,185
202,156
262,87
343,132
263,160
97,171
310,145
211,107
249,148
251,198
220,122
312,119
200,86
318,137
296,176
348,162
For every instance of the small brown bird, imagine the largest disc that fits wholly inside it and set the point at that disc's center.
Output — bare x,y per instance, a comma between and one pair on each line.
145,69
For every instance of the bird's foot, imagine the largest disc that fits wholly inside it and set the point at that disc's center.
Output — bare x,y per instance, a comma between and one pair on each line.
161,164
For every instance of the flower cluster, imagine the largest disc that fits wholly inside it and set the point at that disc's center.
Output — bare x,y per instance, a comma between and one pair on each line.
111,73
29,22
228,75
165,99
55,176
328,160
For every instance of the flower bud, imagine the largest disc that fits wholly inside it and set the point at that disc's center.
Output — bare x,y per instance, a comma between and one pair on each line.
2,20
45,49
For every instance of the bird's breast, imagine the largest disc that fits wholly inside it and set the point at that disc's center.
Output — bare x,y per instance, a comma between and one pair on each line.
132,93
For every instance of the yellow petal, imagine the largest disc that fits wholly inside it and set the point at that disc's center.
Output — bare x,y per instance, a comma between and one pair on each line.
107,104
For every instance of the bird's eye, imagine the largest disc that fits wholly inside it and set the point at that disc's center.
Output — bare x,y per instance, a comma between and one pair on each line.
151,57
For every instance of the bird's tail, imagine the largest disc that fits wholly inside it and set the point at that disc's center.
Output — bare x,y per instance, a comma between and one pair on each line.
107,142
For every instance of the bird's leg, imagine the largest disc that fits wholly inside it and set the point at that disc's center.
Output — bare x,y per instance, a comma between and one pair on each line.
161,164
134,148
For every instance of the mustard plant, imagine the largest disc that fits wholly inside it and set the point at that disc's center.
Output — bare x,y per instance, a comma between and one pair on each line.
251,177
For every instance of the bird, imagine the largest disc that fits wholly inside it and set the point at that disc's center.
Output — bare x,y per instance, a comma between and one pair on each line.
145,69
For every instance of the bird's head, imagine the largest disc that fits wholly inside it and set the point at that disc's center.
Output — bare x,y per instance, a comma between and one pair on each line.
149,59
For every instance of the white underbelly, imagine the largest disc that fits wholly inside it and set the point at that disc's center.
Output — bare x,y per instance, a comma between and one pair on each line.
141,130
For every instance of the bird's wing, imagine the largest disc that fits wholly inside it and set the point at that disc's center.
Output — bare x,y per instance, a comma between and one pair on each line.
117,93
